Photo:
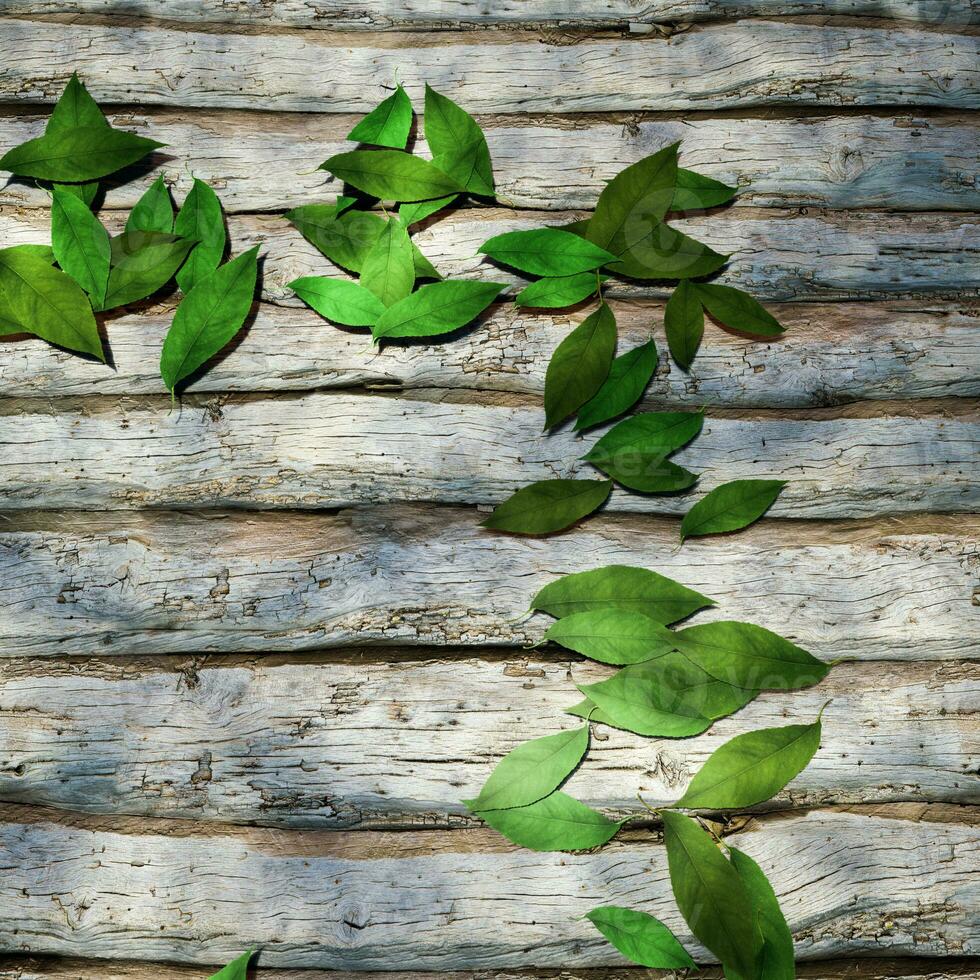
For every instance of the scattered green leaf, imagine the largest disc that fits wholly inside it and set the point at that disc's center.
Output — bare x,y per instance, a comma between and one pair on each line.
388,269
154,211
75,108
548,506
641,938
339,300
684,323
458,144
141,263
612,636
661,252
415,211
737,309
236,969
391,175
628,377
200,218
695,192
344,238
559,291
437,308
80,243
387,125
730,507
546,252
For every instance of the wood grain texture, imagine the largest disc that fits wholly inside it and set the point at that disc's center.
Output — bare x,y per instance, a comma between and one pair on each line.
820,255
831,354
362,745
904,161
848,884
86,583
727,66
329,450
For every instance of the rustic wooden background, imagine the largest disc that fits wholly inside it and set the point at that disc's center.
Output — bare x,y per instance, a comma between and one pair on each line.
256,649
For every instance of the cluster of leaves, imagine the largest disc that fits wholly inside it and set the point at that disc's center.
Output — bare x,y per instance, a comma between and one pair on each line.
97,272
387,297
672,683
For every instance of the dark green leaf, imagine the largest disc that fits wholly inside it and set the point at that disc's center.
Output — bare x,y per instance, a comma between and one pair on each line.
84,192
435,309
628,377
208,317
413,212
710,894
650,432
737,309
387,125
200,218
339,300
391,175
75,108
343,238
612,636
749,656
695,192
154,211
80,244
753,767
634,200
684,323
662,252
532,770
578,227
75,155
42,300
579,365
548,506
730,507
142,262
647,473
641,938
556,823
558,291
546,252
457,143
620,587
388,269
236,970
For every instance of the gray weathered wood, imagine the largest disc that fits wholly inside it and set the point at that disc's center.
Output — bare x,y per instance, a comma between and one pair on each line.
848,883
906,161
88,583
369,744
332,450
777,255
830,354
724,66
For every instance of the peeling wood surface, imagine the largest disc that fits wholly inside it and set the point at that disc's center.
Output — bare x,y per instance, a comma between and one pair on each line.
373,745
330,450
148,582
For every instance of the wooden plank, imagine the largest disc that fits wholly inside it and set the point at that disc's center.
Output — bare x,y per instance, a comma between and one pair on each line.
855,161
89,583
337,450
849,884
374,745
831,354
724,66
821,255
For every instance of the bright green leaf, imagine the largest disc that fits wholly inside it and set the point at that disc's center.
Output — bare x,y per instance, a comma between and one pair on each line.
84,192
339,300
343,238
80,244
424,269
437,308
730,507
200,218
387,125
236,969
650,432
415,211
457,143
546,252
738,310
684,323
662,252
391,175
142,262
548,506
641,938
695,192
75,108
628,377
388,269
559,291
612,636
154,211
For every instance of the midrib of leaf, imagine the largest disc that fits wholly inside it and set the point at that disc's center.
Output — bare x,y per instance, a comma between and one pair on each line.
77,155
431,312
752,655
47,302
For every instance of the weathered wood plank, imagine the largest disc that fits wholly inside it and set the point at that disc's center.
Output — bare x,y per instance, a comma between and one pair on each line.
904,162
333,450
363,745
831,354
86,583
725,66
848,883
778,255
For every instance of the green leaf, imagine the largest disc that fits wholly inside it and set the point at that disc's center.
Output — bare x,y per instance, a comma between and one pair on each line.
749,656
200,218
558,291
777,959
628,377
142,262
387,125
641,938
546,252
84,192
424,269
80,243
437,308
343,238
42,300
532,770
75,108
662,252
391,175
154,211
633,200
684,323
208,317
236,969
650,432
730,507
413,212
458,145
752,768
612,636
555,823
738,310
620,587
76,155
548,506
388,269
45,252
710,894
579,365
647,473
339,300
695,192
